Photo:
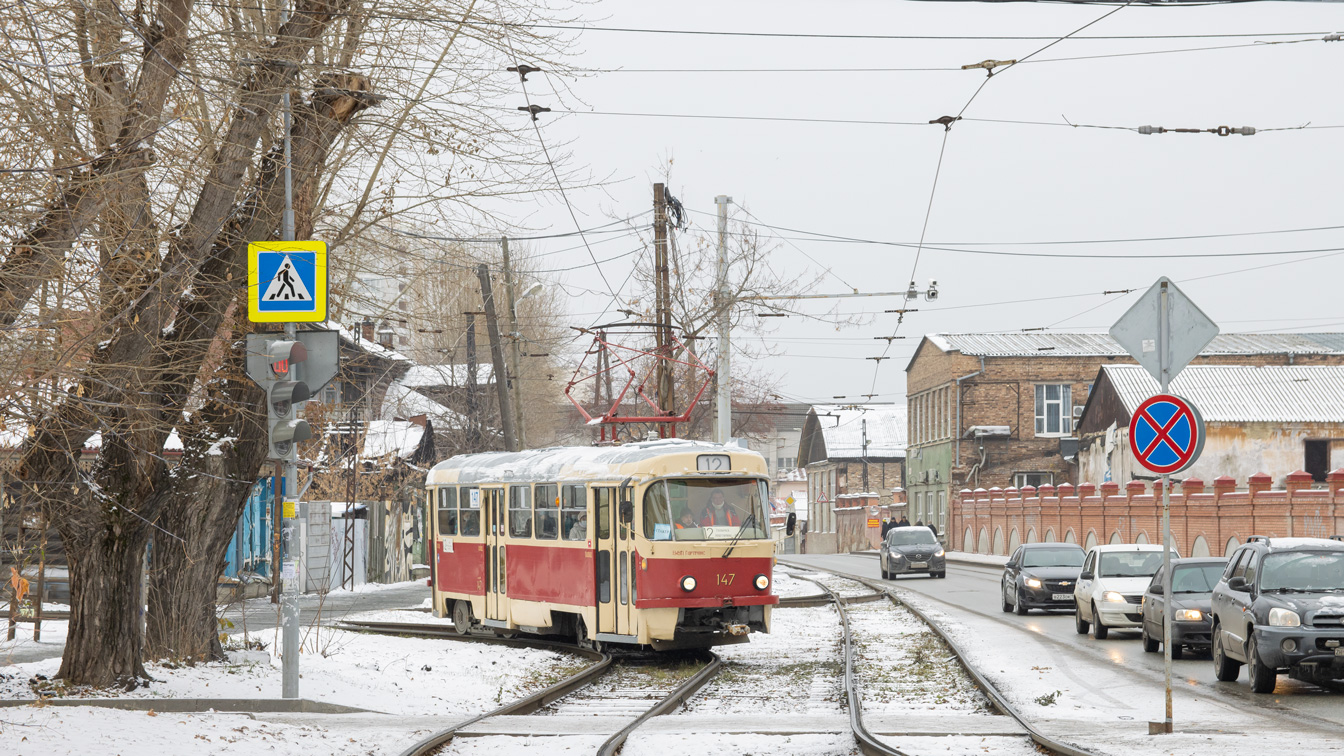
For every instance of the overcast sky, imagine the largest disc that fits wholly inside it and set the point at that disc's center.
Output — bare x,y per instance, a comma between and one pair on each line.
1000,184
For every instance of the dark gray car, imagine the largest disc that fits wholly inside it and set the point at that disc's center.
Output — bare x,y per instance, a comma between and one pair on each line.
1279,607
1192,582
912,549
1041,576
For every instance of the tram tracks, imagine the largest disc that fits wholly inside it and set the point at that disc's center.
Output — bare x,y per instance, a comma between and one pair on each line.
615,686
872,746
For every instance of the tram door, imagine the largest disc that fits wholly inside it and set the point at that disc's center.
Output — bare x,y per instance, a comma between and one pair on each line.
615,565
493,505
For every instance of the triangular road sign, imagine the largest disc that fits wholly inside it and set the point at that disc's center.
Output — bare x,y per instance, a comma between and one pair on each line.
286,286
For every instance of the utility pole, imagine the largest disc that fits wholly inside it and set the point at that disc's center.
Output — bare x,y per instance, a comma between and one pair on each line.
497,358
723,406
515,336
663,307
864,426
289,470
473,414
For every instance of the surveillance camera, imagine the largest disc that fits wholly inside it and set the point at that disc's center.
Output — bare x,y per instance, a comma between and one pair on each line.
912,292
932,293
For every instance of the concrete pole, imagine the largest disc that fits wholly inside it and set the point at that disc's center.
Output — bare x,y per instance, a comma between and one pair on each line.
515,348
289,603
723,405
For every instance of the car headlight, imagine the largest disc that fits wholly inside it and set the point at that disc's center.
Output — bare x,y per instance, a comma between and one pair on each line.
1033,582
762,582
1284,618
1113,597
939,553
688,584
1189,615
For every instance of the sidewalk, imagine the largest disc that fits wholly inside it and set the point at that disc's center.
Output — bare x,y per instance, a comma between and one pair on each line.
960,557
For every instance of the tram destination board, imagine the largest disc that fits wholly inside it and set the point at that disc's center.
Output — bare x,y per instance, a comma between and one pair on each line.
1166,434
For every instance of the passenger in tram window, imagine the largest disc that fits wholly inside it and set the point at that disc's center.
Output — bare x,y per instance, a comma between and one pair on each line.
577,526
718,512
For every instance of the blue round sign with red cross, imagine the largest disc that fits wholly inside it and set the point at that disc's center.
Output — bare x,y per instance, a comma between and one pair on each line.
1166,434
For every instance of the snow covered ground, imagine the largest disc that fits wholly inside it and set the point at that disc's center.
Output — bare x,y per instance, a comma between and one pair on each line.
415,685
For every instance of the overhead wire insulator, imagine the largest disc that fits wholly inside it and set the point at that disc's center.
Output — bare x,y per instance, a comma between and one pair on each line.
534,110
988,65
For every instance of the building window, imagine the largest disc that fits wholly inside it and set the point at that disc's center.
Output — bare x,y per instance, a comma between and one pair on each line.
1317,460
1034,479
331,393
1054,408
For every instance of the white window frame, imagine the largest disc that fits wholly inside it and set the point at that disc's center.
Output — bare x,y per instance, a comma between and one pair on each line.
1019,479
1063,405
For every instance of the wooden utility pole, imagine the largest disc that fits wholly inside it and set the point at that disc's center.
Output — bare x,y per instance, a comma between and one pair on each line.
663,308
473,413
515,358
497,358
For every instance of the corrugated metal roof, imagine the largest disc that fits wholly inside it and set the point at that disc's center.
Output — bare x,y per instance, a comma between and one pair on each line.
842,427
1074,344
1240,394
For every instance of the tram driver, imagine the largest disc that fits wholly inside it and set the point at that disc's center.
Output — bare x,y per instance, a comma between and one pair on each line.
719,512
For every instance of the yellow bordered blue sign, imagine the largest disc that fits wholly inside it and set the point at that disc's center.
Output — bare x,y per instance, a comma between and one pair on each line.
287,281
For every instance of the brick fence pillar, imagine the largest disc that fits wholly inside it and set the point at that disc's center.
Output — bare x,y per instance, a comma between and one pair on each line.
1224,484
1086,490
1259,483
1110,488
1134,488
1192,486
1299,480
1334,481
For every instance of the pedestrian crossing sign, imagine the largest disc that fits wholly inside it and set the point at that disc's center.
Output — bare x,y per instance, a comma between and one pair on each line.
287,281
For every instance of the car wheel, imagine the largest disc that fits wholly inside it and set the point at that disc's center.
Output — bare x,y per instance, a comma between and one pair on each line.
1224,669
1080,624
1099,629
1007,605
940,575
1263,679
1177,651
1019,606
1149,644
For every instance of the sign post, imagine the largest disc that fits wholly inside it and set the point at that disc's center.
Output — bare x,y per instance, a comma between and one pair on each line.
1164,330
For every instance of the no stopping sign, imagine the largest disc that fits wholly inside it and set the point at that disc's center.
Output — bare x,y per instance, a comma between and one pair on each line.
1166,434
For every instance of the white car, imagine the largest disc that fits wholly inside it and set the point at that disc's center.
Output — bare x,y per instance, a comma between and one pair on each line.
1109,592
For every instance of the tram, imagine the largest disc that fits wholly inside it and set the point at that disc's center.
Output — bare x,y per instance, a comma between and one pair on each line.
659,543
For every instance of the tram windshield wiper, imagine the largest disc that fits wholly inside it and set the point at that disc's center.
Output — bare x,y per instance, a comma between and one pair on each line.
740,532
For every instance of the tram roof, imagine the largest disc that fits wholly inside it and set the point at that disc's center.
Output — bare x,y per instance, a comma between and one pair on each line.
569,462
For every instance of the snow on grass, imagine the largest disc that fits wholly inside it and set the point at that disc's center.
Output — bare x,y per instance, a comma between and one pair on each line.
87,731
542,745
380,673
785,584
796,668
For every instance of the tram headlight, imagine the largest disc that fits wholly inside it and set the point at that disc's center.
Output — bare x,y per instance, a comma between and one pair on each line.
688,584
762,582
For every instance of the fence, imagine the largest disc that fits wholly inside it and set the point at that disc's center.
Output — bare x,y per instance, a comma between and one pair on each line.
1203,521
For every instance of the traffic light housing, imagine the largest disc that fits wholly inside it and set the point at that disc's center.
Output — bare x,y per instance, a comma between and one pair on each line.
276,364
284,397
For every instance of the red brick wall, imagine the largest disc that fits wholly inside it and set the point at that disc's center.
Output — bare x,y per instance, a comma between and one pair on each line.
1215,513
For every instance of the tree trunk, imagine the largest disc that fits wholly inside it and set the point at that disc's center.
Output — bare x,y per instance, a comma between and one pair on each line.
103,644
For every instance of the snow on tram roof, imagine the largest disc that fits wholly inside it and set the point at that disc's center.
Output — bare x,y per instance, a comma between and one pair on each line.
587,462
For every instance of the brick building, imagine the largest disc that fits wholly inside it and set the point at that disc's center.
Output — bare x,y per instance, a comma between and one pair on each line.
998,409
846,450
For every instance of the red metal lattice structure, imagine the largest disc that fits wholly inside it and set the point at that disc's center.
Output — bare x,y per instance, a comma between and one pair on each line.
620,356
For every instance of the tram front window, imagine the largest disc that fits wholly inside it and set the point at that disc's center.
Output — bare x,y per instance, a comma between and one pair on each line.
705,509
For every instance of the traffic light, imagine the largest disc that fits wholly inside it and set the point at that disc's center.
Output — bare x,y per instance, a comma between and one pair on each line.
284,396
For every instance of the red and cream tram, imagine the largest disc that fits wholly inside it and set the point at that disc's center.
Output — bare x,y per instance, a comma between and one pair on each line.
661,543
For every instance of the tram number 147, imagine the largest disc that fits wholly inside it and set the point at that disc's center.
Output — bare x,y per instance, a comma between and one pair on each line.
725,579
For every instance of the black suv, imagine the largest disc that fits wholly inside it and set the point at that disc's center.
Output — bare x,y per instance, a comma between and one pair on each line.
1041,576
1279,606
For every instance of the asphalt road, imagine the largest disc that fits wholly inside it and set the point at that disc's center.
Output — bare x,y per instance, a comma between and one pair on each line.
972,592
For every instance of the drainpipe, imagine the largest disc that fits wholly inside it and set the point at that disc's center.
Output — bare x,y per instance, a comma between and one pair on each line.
957,463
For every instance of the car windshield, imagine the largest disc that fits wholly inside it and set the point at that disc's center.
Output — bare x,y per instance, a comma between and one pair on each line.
1303,571
912,537
1197,578
1052,558
705,509
1123,564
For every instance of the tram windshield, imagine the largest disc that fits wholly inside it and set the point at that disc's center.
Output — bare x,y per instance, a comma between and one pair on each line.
705,509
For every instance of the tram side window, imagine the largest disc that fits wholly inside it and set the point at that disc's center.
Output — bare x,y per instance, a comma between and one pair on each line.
520,512
548,515
574,513
447,511
657,521
469,511
602,496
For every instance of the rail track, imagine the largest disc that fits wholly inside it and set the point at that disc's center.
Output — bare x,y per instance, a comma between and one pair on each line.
614,685
870,745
